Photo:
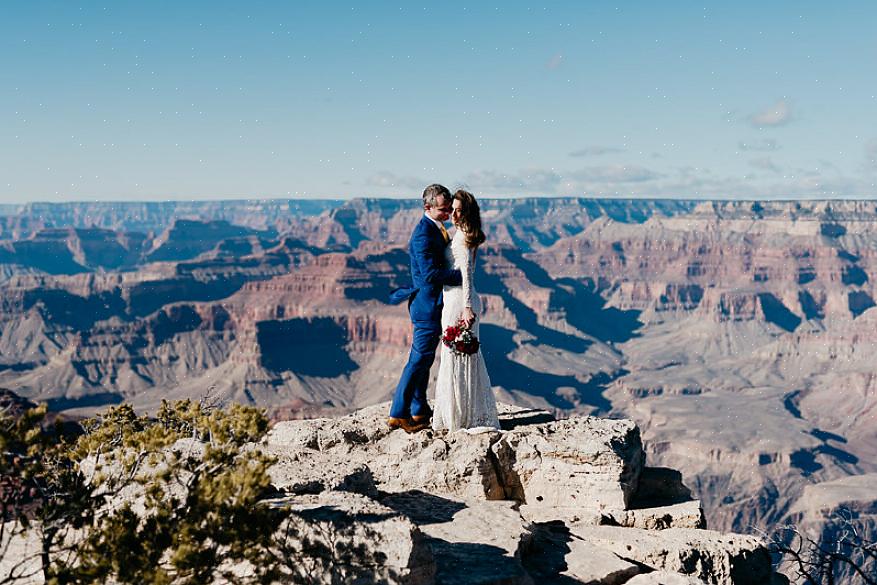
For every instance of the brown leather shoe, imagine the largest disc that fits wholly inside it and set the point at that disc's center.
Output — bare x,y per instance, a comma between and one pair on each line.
396,423
406,424
422,420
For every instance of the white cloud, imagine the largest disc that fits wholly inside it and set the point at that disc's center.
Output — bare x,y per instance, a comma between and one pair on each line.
765,145
391,183
598,179
543,181
795,184
774,181
777,115
596,151
615,174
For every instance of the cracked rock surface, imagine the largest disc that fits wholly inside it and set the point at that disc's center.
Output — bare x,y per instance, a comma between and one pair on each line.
539,501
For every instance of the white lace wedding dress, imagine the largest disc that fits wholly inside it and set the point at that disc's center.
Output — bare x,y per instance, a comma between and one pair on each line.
463,396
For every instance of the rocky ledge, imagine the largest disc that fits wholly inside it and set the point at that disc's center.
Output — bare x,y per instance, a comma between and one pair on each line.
540,501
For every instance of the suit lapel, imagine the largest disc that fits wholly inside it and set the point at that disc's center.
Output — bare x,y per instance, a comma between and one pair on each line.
436,232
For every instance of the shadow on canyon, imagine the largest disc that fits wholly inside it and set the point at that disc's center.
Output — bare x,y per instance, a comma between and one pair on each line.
58,306
310,347
80,313
149,296
806,459
584,309
580,301
498,343
97,400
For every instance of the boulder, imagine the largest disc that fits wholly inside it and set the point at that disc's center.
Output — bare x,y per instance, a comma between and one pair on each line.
343,537
539,500
20,553
482,544
683,515
587,563
568,466
458,464
555,555
571,467
316,473
721,559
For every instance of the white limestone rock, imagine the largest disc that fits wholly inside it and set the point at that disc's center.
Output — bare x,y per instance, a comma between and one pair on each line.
587,563
664,578
458,464
720,559
682,515
476,498
556,555
365,541
21,554
566,467
316,473
481,545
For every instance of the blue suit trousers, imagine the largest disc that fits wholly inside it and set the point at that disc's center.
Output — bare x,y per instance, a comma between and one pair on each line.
410,397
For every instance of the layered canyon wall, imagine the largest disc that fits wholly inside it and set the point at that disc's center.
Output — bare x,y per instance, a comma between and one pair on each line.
739,335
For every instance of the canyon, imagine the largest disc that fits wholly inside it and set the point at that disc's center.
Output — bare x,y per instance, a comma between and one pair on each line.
738,335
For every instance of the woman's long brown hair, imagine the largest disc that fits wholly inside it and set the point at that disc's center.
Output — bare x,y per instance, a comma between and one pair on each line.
470,219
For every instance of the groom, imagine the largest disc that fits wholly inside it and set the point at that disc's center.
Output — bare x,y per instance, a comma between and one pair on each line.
430,273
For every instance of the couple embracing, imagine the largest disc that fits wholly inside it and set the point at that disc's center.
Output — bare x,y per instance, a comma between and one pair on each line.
443,302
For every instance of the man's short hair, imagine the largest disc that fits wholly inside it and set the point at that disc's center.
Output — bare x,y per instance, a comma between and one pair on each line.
433,192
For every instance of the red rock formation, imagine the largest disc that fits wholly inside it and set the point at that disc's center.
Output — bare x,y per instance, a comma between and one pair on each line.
740,335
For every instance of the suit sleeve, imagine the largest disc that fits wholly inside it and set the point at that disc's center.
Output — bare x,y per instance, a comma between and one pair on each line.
433,267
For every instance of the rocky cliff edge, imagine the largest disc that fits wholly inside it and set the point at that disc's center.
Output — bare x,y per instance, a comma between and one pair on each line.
539,501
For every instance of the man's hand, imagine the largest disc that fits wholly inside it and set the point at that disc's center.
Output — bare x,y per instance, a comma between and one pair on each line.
467,317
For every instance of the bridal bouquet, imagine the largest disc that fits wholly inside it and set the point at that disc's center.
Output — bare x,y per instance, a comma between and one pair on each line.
460,339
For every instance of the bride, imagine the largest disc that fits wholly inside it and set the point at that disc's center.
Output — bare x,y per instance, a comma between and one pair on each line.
463,397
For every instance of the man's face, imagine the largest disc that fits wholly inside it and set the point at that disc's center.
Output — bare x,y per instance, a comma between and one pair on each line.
442,209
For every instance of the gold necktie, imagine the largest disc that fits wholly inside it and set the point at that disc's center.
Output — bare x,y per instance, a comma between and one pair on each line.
445,233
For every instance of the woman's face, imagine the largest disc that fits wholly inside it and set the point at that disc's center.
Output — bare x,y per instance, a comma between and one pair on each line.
456,211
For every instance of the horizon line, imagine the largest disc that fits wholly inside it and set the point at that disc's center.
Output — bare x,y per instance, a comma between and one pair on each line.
787,199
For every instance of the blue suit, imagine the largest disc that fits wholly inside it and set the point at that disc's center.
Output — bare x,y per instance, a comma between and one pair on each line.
430,273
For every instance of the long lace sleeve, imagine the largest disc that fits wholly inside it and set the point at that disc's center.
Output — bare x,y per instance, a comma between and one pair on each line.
466,262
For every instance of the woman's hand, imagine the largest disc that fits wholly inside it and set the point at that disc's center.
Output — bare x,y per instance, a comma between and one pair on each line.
467,317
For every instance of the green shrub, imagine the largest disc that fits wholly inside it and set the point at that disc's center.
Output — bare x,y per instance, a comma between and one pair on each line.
129,500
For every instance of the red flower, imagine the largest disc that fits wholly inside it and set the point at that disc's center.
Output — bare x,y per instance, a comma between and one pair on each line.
460,339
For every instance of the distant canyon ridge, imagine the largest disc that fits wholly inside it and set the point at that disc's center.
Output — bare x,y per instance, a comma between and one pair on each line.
738,335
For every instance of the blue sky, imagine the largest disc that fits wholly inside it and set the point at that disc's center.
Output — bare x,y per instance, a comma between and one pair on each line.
205,100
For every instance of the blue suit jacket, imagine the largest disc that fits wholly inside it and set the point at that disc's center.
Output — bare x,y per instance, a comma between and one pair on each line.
429,272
